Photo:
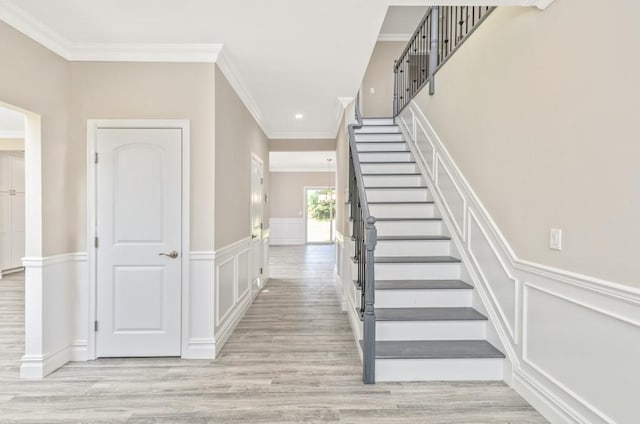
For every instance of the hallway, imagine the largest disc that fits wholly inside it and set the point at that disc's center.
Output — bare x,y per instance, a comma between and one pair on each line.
291,359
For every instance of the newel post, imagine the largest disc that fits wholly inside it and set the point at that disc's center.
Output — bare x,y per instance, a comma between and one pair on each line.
369,318
433,49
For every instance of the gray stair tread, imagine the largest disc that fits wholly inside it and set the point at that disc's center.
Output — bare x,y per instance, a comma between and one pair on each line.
381,141
436,349
415,259
384,151
429,314
413,238
420,187
391,174
407,219
422,285
386,163
404,202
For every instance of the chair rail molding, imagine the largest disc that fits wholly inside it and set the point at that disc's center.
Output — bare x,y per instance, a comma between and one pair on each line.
522,298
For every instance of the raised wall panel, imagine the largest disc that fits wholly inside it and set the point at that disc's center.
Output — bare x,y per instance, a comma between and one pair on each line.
455,202
225,299
244,283
425,147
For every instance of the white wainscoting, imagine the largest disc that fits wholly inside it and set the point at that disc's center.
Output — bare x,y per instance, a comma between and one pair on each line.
200,342
232,294
56,311
286,231
573,341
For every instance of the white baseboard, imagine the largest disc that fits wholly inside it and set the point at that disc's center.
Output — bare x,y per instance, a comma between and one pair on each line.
522,299
200,349
39,366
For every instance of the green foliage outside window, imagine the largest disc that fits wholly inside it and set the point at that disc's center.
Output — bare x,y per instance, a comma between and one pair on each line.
322,205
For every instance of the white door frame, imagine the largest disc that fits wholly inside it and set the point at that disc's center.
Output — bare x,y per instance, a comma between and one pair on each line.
93,125
261,237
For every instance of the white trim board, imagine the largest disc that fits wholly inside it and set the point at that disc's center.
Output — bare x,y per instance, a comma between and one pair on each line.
93,125
522,298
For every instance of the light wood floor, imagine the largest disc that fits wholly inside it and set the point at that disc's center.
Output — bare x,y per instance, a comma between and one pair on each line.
291,359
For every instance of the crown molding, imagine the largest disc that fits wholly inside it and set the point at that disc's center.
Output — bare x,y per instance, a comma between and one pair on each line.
394,37
241,90
301,135
147,52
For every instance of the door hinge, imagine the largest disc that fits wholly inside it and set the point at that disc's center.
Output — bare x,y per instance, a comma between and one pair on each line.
261,180
95,159
95,326
261,270
95,242
261,225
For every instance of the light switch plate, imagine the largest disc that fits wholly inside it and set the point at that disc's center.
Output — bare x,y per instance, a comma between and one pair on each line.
555,239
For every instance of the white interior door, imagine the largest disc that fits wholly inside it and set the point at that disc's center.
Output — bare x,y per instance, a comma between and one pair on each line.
257,194
139,265
5,230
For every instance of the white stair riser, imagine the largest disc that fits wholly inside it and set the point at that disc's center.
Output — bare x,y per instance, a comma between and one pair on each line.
389,168
378,129
386,157
439,369
413,248
377,121
409,228
422,298
424,210
393,181
398,195
379,137
400,147
416,271
430,330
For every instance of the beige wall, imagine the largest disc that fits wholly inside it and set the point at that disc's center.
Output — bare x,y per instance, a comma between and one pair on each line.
237,135
545,130
35,79
16,144
305,145
287,191
379,76
118,90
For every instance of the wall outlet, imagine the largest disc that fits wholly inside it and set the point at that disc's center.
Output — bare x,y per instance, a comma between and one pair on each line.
372,90
555,239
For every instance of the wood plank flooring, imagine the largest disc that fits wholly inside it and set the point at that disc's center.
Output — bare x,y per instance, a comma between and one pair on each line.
291,359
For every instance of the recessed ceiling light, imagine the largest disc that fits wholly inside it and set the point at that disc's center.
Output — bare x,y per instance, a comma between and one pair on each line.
299,116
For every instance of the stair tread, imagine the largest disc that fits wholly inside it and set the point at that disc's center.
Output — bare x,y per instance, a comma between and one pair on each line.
391,174
396,187
422,285
386,163
429,314
407,219
436,349
404,202
413,238
415,259
384,151
381,141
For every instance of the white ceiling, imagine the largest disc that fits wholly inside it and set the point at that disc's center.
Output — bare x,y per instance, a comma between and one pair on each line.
282,56
400,22
11,124
302,161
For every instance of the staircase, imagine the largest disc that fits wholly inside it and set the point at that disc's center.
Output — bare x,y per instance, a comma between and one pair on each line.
426,327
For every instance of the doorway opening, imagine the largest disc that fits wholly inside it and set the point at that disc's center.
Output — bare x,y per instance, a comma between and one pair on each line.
320,212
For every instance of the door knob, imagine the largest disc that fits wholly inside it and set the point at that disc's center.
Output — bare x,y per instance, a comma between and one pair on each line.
172,255
253,236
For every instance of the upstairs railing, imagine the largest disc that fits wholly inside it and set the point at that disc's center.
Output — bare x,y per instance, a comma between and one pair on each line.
440,33
364,236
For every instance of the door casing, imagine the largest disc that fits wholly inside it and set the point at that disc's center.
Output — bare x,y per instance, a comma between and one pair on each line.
93,125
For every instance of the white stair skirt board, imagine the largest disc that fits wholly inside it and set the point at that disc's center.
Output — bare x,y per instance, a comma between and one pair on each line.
385,157
384,147
377,121
430,330
393,181
379,137
398,195
402,210
378,129
422,298
412,247
389,168
408,228
399,271
474,369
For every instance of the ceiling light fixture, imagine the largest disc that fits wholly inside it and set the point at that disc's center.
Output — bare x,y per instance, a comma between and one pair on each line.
299,116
